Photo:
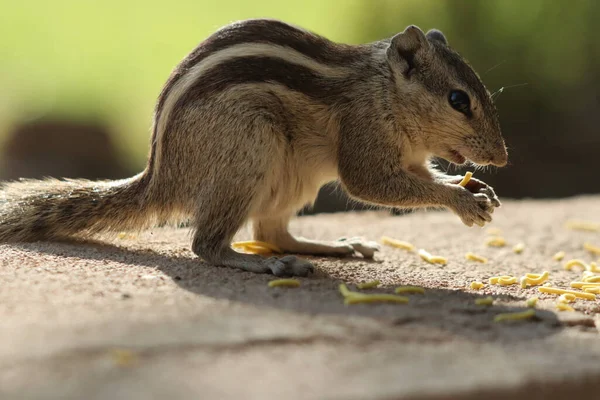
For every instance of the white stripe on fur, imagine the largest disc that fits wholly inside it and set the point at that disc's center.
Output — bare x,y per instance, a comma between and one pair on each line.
229,53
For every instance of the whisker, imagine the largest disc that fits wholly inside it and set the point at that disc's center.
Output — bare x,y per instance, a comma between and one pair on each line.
516,85
447,168
494,67
498,92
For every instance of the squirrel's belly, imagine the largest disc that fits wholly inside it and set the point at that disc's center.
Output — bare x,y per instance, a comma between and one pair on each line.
283,194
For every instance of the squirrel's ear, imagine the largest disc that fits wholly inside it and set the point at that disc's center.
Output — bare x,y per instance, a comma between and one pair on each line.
435,35
406,46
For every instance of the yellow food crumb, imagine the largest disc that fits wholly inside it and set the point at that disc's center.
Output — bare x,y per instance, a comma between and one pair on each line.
532,302
523,282
594,290
534,279
587,296
592,285
495,280
432,259
586,274
582,284
355,297
514,316
477,285
254,244
368,285
284,282
344,290
582,226
400,244
507,281
566,298
539,280
558,256
591,248
488,301
590,277
575,263
593,267
466,179
518,248
494,231
475,257
123,357
496,241
248,250
564,306
409,289
253,249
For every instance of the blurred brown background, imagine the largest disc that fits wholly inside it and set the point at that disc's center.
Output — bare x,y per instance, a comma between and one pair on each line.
80,79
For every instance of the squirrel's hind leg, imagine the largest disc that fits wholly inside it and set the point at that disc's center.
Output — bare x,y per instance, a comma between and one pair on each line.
275,231
278,266
212,239
226,176
221,210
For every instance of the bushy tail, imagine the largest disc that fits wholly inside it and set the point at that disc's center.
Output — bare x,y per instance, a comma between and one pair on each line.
33,210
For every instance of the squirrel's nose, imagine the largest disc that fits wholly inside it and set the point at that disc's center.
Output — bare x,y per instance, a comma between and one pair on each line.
500,159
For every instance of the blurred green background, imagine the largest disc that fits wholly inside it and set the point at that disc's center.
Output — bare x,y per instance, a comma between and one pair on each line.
80,78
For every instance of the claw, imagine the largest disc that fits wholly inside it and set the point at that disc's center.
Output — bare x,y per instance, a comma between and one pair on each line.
289,266
365,248
489,192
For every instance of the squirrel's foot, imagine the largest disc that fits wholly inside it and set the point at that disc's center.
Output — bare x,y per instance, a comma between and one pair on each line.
289,266
340,248
472,208
278,266
366,248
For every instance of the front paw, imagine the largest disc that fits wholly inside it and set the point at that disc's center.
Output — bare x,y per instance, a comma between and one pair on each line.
472,208
476,186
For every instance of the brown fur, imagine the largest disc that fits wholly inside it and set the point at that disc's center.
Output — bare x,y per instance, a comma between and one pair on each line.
255,137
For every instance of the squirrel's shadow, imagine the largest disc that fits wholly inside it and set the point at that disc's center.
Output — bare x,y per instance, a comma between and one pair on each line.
449,310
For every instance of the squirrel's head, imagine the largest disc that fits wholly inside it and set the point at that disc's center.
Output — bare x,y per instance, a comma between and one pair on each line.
454,115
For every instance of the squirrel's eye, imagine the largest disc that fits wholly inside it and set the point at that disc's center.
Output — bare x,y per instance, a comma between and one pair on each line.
459,100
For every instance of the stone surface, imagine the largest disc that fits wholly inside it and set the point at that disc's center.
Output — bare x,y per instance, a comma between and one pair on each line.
191,330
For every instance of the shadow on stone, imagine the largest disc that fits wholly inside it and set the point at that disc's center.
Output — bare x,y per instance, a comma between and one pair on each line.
445,310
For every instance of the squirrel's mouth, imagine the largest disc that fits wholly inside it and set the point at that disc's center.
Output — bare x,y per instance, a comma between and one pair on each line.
455,157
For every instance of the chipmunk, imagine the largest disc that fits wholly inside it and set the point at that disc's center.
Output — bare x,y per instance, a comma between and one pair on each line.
258,117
